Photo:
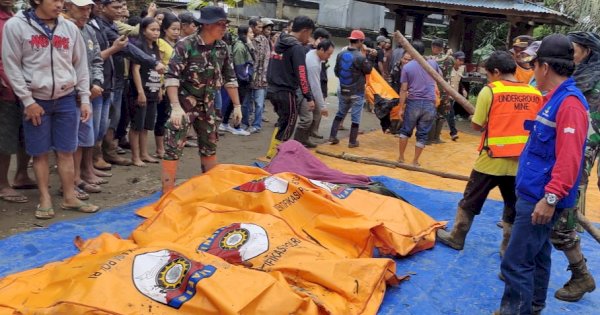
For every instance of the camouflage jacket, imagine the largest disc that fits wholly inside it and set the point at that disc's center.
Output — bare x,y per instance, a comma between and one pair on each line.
199,69
446,62
262,53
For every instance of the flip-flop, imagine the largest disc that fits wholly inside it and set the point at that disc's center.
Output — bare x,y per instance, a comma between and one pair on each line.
79,193
26,186
151,161
83,207
18,198
89,188
101,181
44,213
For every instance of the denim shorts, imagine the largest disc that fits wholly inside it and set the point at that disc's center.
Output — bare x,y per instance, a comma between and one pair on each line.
59,128
85,136
418,114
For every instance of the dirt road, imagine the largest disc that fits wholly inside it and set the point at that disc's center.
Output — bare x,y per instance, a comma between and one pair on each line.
131,182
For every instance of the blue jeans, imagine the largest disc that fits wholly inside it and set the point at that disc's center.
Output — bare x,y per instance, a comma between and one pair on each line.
419,114
258,98
526,263
101,109
353,103
59,128
115,109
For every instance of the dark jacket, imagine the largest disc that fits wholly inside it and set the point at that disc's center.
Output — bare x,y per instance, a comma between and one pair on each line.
287,69
109,68
351,67
111,32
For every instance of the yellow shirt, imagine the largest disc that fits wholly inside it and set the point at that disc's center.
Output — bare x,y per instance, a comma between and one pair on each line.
484,163
166,51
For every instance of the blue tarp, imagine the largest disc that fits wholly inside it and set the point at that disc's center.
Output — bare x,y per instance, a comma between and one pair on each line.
443,281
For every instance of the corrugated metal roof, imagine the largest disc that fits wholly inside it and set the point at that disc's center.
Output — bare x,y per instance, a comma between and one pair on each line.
496,4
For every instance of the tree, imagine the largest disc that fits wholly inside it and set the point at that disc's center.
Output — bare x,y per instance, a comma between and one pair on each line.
584,11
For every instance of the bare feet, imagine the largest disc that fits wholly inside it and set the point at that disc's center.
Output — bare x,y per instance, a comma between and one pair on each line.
416,164
100,173
139,163
148,159
10,195
93,179
401,160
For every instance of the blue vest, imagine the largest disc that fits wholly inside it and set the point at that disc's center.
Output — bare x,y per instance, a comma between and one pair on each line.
538,157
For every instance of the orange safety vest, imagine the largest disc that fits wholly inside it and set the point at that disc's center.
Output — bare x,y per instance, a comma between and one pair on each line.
512,104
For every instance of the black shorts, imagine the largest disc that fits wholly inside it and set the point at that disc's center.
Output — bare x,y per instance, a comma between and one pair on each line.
479,188
143,118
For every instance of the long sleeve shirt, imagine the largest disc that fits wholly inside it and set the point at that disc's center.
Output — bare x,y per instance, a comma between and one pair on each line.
313,70
571,132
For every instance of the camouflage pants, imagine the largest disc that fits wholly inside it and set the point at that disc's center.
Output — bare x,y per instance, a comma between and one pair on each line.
564,236
205,121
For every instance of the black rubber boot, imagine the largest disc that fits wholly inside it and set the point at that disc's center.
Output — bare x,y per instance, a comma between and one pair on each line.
431,134
438,130
456,238
302,136
334,130
581,282
353,136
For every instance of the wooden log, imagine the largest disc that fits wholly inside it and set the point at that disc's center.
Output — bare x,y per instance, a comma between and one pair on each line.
391,164
588,226
436,76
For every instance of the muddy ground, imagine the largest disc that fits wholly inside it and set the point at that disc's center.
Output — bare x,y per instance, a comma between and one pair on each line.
130,182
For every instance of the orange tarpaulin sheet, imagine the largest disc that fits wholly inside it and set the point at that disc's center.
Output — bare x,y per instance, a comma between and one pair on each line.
114,276
347,231
376,84
266,242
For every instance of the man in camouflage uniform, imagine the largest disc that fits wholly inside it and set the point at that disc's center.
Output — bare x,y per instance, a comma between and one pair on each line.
200,66
564,236
446,62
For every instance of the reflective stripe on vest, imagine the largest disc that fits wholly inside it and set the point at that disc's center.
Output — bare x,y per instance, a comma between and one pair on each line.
512,104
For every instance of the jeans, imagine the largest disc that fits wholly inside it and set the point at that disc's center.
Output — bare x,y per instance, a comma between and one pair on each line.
258,98
526,263
102,112
353,103
115,109
418,114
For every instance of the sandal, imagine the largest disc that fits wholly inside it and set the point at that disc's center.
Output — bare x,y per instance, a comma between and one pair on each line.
44,213
79,193
83,207
89,188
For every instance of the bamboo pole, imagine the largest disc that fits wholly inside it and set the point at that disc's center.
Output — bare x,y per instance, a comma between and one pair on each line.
436,76
390,164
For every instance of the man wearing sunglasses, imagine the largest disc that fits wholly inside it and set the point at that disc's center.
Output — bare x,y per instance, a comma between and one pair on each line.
201,64
547,178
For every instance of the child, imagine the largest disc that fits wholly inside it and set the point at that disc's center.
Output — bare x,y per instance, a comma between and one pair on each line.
169,34
146,91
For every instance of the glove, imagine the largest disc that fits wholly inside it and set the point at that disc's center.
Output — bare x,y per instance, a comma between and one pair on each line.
237,114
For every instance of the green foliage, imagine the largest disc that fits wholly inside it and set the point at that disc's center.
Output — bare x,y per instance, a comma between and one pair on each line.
584,11
491,32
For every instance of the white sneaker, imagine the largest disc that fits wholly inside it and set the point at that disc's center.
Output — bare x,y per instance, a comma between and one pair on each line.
223,127
240,132
228,128
253,130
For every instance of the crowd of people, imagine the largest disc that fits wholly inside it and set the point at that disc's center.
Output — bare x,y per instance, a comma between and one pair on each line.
90,67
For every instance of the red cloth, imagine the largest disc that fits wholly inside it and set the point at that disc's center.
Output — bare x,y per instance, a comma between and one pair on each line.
295,158
6,92
571,132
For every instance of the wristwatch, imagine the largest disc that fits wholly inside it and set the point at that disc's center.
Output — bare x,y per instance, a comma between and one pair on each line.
551,199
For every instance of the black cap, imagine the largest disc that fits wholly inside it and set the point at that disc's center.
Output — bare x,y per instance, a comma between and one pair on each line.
187,18
437,43
555,46
212,14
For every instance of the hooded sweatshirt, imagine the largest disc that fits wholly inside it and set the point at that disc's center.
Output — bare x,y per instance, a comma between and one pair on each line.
42,67
287,69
